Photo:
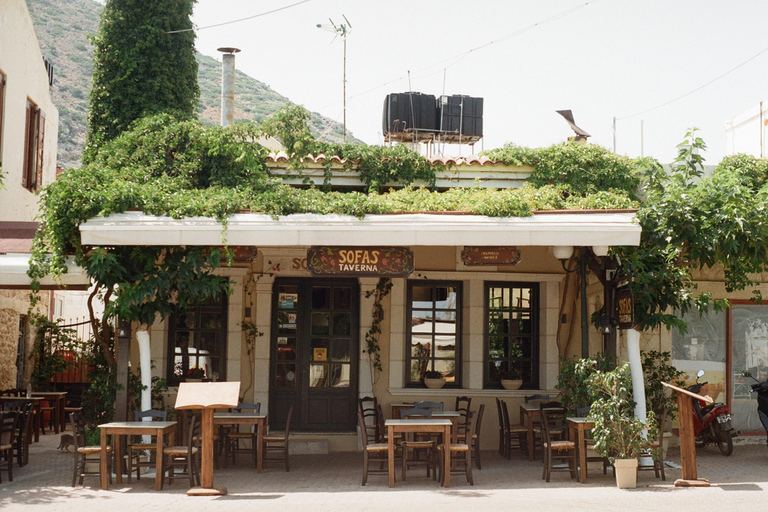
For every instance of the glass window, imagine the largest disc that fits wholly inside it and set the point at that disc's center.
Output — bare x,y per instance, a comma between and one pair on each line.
512,334
197,340
434,333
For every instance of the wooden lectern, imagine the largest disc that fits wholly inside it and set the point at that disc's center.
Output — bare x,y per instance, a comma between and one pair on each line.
687,445
207,396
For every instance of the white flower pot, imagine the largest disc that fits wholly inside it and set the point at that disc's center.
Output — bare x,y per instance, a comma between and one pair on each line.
626,473
511,384
434,383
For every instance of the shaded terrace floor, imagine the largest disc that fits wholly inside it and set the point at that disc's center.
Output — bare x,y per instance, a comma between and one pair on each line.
332,482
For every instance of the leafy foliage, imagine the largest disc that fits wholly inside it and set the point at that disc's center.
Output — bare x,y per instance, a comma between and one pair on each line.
617,433
52,350
689,222
656,369
573,381
139,68
372,348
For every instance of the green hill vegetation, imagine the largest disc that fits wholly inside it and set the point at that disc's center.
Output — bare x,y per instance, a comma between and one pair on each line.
63,27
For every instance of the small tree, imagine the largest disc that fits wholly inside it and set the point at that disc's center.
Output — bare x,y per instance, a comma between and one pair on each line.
139,67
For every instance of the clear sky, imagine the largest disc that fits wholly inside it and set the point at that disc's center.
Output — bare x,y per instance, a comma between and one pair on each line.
600,58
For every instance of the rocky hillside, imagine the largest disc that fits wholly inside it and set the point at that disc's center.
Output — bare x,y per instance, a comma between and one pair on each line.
63,27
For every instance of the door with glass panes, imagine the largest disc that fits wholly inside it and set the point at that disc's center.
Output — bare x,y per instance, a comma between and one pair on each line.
314,355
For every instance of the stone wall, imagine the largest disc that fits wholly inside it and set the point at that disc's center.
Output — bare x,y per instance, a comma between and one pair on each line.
9,335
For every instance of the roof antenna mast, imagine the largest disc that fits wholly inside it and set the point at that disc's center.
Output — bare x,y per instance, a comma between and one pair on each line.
343,30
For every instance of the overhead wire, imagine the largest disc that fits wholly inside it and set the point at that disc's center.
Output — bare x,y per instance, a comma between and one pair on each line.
196,29
696,89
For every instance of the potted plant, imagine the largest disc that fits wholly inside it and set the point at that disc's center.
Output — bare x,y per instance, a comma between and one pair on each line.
195,374
434,379
617,433
573,381
510,379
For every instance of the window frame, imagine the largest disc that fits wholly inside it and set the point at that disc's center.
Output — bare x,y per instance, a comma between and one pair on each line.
535,309
34,140
457,383
221,339
2,113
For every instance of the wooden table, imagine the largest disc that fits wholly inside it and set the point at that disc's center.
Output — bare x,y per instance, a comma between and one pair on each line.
134,428
60,398
246,418
424,426
529,415
36,412
581,425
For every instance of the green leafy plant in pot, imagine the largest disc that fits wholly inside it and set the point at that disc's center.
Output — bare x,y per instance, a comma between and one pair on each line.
573,381
617,433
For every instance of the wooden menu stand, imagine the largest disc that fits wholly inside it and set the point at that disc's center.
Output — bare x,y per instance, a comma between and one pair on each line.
207,396
687,445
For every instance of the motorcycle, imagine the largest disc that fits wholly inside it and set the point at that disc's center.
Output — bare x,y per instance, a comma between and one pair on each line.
711,423
761,388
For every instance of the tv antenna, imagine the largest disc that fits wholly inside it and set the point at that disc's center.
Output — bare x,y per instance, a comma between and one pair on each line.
342,29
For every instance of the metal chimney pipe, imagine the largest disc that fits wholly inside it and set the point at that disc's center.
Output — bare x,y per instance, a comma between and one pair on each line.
228,85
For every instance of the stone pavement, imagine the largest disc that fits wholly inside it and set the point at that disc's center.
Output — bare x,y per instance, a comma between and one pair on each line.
332,483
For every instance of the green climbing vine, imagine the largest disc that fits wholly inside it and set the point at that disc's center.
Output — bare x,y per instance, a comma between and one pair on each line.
372,347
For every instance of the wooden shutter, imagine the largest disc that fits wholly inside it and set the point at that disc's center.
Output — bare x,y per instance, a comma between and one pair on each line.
27,142
40,144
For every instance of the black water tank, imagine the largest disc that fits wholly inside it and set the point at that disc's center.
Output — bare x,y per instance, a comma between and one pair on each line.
461,114
409,110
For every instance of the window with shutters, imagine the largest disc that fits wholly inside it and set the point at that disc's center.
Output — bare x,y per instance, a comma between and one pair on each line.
34,136
2,116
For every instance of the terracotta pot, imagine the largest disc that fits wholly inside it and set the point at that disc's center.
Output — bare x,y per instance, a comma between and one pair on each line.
626,473
434,383
511,384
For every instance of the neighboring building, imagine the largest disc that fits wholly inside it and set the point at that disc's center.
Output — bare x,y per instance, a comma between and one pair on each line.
468,321
28,139
746,133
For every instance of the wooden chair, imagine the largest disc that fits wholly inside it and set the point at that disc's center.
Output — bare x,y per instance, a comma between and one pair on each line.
476,436
656,451
462,407
138,449
556,450
435,406
276,445
185,457
369,408
232,438
537,398
374,454
423,453
461,455
23,434
86,454
8,427
15,392
512,431
47,416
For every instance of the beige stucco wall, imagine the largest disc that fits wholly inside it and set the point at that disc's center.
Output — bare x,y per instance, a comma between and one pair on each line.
22,64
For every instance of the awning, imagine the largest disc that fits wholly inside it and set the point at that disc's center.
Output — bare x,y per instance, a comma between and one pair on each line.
13,275
593,228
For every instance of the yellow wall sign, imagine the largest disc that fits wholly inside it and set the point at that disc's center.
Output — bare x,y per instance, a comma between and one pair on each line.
360,261
320,354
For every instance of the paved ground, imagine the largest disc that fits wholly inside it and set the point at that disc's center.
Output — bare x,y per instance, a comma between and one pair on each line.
332,483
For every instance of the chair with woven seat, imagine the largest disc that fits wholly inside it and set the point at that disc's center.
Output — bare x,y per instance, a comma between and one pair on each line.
656,451
275,446
418,451
8,426
461,455
139,449
233,438
375,455
23,433
184,457
512,432
462,407
86,454
556,450
369,408
475,437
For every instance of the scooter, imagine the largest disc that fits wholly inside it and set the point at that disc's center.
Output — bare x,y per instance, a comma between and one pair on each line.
761,388
711,423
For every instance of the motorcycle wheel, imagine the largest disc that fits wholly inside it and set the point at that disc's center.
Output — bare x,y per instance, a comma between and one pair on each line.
724,440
